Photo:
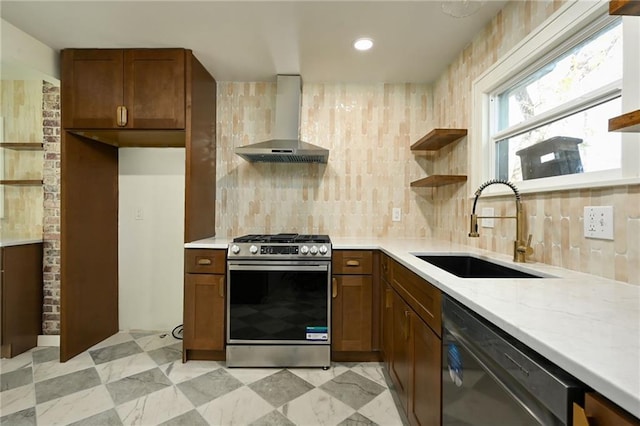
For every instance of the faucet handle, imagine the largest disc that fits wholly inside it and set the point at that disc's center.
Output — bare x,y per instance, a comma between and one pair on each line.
526,249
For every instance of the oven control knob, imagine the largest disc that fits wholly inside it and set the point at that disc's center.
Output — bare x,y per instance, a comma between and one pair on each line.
304,250
235,249
323,250
313,250
253,249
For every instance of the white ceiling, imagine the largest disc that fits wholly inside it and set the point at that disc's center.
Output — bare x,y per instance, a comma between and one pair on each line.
256,40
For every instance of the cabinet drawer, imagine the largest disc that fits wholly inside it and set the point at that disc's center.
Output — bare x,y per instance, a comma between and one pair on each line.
352,262
204,261
423,297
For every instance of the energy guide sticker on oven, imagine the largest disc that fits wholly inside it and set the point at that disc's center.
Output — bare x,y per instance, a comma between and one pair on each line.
317,333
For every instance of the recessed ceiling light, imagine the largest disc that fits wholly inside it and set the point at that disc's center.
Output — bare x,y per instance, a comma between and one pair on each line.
363,44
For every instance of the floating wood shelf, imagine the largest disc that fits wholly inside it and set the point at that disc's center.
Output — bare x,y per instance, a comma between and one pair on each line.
438,138
22,146
438,180
21,182
624,7
629,122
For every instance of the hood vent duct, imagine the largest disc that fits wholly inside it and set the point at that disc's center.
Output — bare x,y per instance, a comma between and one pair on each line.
286,147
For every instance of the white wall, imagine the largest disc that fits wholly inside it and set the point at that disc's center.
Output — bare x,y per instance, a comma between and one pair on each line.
151,246
24,57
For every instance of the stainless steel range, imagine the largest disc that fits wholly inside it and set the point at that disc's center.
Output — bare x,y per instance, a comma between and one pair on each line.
279,301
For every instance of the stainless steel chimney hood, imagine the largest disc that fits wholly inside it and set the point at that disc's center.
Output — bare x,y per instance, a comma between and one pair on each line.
286,147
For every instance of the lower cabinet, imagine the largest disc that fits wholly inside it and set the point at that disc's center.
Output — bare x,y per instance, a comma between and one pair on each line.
20,298
386,328
401,361
412,348
599,411
204,304
354,317
351,313
425,394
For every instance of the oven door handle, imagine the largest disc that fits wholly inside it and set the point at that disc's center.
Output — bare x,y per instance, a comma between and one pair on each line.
283,268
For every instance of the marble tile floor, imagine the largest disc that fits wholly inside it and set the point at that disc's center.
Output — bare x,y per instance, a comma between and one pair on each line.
138,378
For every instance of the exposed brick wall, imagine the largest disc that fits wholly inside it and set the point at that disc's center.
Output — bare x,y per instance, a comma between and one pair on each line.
51,177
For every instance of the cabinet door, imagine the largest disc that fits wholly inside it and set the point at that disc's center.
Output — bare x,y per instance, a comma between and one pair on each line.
401,361
425,394
154,82
20,297
92,88
351,313
148,83
204,312
387,324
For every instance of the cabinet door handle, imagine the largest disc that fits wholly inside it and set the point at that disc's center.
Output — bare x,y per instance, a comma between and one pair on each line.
204,262
121,116
387,299
407,324
334,288
221,287
353,263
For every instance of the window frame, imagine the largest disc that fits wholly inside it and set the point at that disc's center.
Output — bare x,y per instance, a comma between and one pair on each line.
540,46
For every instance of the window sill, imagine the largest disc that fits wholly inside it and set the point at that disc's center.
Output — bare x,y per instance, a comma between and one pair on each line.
555,184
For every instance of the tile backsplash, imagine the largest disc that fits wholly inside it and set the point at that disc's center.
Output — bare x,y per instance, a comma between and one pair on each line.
555,219
368,129
21,216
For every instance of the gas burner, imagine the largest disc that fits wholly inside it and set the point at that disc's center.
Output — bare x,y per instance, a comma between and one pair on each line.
280,246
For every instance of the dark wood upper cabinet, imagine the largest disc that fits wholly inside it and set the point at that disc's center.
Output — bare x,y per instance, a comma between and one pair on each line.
123,89
170,101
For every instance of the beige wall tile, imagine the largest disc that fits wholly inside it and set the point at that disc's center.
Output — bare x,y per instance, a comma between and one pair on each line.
368,129
21,102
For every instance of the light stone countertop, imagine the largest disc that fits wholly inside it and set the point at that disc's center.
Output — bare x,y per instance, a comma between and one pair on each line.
8,242
587,325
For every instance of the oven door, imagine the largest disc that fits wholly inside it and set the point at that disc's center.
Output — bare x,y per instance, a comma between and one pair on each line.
278,302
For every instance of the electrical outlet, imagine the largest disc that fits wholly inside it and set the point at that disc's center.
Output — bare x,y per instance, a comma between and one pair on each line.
487,223
139,215
396,214
598,222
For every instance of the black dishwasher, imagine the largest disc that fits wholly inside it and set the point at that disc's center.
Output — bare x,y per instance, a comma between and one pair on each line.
489,378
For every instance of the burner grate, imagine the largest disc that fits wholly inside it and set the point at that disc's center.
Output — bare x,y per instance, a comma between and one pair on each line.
283,238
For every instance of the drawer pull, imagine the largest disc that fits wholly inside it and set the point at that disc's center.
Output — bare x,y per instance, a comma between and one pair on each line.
334,288
204,262
353,263
221,287
121,116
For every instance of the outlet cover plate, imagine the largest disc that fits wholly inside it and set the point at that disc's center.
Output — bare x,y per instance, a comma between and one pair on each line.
487,223
396,214
598,222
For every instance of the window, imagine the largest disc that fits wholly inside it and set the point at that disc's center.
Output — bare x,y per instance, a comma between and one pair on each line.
554,120
545,106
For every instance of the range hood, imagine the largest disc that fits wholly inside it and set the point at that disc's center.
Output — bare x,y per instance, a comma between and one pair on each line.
286,147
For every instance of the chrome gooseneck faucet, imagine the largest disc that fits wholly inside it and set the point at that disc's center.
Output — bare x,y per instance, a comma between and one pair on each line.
521,248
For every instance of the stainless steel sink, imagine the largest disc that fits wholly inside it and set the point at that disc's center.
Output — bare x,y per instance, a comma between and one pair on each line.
468,266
